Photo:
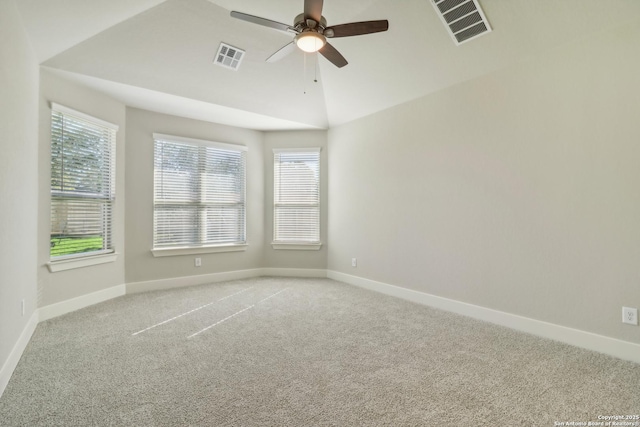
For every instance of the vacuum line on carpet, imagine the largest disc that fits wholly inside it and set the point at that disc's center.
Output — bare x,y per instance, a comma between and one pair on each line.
189,312
235,314
271,296
223,320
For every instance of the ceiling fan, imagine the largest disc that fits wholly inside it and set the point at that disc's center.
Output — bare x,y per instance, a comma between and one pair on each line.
312,32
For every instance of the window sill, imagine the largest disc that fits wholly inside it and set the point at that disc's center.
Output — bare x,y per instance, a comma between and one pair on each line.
162,252
296,246
70,264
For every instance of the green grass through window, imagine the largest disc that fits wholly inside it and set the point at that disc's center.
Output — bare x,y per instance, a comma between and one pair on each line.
75,245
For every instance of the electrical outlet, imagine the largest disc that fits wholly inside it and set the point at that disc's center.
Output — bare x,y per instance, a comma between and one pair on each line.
630,315
198,262
354,262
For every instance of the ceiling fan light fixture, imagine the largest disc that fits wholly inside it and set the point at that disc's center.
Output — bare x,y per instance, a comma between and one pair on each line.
310,41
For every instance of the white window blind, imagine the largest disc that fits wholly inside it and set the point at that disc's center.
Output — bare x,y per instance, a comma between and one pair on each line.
296,182
199,196
82,184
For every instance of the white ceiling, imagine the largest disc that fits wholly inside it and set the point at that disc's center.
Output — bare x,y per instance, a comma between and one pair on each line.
158,54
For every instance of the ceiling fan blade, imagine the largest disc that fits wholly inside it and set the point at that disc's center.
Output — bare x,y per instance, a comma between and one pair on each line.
262,21
332,54
282,52
356,28
313,9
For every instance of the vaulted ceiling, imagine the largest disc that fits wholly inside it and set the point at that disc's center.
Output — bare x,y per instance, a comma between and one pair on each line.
158,54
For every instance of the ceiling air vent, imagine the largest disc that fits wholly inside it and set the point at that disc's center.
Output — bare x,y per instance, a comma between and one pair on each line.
229,56
463,18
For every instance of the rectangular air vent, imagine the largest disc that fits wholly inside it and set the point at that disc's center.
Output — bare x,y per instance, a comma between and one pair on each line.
229,56
464,19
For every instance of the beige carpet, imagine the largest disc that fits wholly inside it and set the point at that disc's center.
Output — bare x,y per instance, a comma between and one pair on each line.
302,352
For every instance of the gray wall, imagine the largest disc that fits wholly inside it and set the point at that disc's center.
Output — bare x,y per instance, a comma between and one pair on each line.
64,285
296,258
18,177
141,265
517,191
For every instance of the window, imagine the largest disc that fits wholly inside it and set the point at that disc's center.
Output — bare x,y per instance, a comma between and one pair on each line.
296,184
199,196
82,184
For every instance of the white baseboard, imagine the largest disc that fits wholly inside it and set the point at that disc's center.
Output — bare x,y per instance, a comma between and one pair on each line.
14,357
202,279
590,341
294,272
54,310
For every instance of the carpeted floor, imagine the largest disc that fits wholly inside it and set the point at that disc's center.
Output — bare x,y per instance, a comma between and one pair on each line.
302,352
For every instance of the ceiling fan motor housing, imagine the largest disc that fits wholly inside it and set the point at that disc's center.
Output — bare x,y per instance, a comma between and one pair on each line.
301,24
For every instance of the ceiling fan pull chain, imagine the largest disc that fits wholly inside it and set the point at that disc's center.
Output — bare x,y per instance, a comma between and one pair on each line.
315,68
304,74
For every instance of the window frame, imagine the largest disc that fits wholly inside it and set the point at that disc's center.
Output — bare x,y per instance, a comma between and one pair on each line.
84,259
164,251
297,244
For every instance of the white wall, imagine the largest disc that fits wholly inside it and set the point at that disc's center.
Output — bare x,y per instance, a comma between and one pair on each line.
18,178
141,266
294,258
65,285
517,191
